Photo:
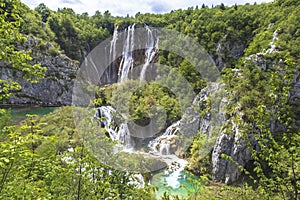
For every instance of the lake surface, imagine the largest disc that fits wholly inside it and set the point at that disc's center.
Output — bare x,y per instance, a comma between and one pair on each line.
19,112
181,184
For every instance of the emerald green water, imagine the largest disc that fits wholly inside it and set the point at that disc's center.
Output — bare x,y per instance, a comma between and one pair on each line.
19,112
181,184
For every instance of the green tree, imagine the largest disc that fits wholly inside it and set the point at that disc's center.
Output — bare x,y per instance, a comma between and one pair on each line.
44,11
13,58
222,6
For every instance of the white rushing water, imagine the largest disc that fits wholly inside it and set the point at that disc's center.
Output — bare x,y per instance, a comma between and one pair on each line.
149,45
118,133
110,72
151,48
162,147
121,132
163,143
127,56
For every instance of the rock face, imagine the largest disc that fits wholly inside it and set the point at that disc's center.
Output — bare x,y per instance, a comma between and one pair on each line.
234,146
54,89
295,96
227,50
178,137
230,141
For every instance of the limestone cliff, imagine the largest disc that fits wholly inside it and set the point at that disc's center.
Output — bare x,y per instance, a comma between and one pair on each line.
55,88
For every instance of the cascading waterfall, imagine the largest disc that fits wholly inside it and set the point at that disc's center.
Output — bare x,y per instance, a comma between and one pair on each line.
162,144
110,74
129,46
127,61
162,147
117,133
132,57
122,133
151,47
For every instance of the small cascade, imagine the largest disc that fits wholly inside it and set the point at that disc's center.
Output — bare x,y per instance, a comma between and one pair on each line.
174,172
137,180
164,147
173,129
104,113
119,133
123,136
166,143
127,55
272,43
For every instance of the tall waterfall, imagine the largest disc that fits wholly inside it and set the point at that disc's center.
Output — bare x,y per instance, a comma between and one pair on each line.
133,49
151,47
127,61
112,57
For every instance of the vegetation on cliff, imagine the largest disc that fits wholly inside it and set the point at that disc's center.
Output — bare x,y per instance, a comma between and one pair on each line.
255,46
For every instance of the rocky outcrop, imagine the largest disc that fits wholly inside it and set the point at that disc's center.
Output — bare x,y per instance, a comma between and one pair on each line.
228,51
230,143
54,89
178,137
295,96
228,137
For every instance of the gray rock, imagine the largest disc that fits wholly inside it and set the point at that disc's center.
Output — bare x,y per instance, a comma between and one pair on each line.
228,49
219,164
231,143
54,89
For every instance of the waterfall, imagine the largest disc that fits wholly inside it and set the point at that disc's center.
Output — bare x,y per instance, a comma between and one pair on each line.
137,180
119,133
123,136
113,43
134,50
127,55
164,147
130,44
162,144
151,47
123,63
111,75
173,129
148,43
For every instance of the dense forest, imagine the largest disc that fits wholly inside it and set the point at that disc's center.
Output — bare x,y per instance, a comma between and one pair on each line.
256,49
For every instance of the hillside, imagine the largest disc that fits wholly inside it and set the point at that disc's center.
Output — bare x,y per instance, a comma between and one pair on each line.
254,120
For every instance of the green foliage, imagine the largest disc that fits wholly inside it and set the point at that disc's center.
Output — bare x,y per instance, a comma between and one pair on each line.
37,163
78,34
144,101
262,96
44,11
199,160
12,58
33,156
